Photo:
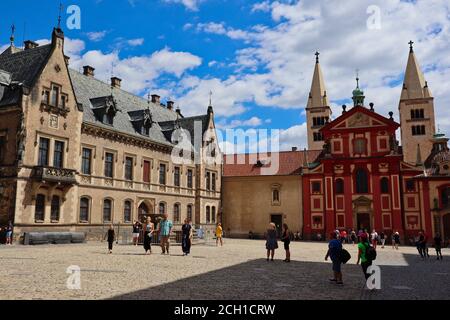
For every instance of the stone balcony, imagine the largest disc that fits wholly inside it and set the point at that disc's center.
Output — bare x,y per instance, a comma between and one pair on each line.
55,175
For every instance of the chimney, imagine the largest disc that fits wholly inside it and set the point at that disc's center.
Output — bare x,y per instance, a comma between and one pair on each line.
170,105
67,59
155,99
88,71
115,82
294,149
30,44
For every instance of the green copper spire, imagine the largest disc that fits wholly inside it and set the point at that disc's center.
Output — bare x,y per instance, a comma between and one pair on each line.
358,94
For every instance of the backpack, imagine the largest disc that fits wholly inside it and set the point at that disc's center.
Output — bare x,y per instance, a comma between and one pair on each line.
371,253
344,256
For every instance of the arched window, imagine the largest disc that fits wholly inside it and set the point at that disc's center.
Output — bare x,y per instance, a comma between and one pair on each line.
362,181
176,212
276,195
213,214
339,186
162,208
189,212
127,211
39,213
84,210
107,210
54,212
208,214
384,185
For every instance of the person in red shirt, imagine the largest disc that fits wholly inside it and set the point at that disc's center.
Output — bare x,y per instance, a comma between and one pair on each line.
343,236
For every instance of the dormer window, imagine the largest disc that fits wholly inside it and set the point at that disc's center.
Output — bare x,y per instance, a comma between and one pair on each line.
108,118
105,109
147,123
54,98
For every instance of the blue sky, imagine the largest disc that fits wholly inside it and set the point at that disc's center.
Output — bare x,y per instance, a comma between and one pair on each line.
256,56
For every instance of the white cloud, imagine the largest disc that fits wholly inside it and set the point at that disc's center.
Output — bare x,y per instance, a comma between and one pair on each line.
189,4
135,42
222,29
96,35
261,6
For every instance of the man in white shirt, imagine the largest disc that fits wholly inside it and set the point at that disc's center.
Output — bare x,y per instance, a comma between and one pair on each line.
374,238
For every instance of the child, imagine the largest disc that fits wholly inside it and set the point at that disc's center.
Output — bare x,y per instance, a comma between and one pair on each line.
438,246
111,237
286,240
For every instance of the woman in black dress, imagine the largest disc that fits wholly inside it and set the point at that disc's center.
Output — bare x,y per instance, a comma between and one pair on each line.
287,241
186,242
148,236
111,236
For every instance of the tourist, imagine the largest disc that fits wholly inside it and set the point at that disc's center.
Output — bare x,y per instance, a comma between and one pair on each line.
374,238
382,239
9,234
363,246
287,241
164,229
219,235
343,236
422,245
334,252
438,246
110,236
136,232
271,241
353,237
186,237
148,236
395,240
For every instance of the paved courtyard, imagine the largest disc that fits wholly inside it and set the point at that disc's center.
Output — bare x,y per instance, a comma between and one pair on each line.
236,271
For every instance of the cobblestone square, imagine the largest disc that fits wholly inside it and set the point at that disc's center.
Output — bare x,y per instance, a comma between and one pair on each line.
236,271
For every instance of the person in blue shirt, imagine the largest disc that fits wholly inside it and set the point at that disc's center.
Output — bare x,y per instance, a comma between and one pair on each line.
334,252
164,229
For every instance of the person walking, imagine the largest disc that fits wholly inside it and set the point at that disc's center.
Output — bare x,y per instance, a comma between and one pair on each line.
353,237
395,240
187,237
219,235
363,246
374,238
343,236
334,252
164,230
438,246
110,236
287,241
148,236
271,241
9,233
382,239
136,232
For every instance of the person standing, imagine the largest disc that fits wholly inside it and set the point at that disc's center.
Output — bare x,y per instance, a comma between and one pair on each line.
353,237
187,235
343,236
374,238
395,240
334,252
271,241
219,235
438,246
110,236
363,245
287,241
382,239
136,232
9,234
148,235
164,229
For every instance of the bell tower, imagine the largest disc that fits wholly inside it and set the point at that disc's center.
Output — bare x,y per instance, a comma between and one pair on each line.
318,111
416,111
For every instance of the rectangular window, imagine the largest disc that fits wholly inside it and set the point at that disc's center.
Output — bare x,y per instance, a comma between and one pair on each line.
316,187
162,174
2,148
410,185
54,96
58,154
46,96
360,146
208,181
128,168
39,213
317,136
86,161
213,214
176,177
44,144
337,146
63,102
109,165
213,182
146,177
383,144
54,212
190,183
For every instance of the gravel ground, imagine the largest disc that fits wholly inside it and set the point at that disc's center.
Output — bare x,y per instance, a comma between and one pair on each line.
236,271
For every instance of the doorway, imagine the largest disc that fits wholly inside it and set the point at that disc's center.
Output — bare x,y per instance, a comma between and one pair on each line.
278,220
363,221
446,226
143,212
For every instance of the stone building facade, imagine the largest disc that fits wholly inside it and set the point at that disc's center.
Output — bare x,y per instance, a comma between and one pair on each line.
77,154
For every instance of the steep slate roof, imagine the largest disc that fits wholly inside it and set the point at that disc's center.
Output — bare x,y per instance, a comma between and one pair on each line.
290,163
187,124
